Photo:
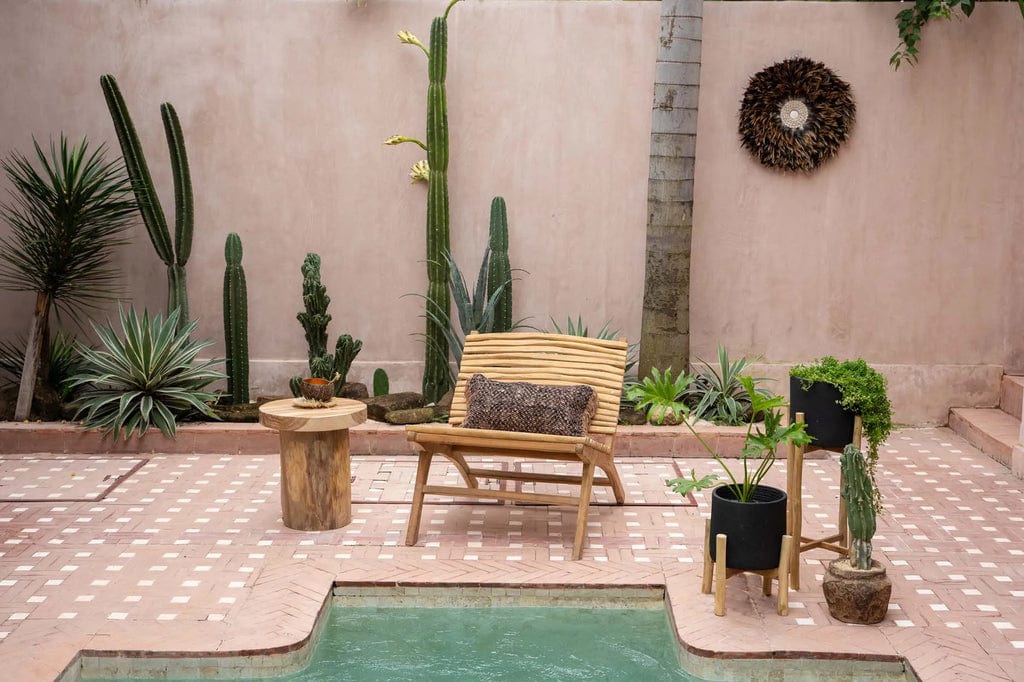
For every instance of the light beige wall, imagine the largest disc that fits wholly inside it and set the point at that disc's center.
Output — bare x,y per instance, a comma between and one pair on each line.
284,106
906,248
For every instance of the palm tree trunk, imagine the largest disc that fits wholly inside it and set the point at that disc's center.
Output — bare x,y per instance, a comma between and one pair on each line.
33,351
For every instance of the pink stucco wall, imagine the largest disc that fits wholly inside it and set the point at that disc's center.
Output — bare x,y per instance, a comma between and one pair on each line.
904,249
284,106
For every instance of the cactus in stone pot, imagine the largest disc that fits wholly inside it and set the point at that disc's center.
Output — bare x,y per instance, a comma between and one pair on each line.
236,335
858,492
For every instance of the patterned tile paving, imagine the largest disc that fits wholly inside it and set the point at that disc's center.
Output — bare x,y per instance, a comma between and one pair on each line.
188,553
41,479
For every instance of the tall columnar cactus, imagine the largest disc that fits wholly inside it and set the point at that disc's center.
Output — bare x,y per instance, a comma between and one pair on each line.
436,377
499,272
314,320
858,492
174,255
236,334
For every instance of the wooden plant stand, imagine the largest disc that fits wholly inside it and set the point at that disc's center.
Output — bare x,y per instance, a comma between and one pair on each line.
718,572
838,542
316,479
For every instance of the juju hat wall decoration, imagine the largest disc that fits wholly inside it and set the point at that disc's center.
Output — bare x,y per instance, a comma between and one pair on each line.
795,114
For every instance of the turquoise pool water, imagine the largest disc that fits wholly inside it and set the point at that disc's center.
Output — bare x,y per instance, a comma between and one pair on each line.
493,643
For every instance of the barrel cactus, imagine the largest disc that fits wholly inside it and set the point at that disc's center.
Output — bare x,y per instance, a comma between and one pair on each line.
381,385
174,254
236,333
858,492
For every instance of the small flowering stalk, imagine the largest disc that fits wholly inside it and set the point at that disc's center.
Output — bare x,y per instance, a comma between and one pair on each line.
420,172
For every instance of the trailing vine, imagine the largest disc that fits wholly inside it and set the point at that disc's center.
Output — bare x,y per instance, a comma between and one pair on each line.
911,21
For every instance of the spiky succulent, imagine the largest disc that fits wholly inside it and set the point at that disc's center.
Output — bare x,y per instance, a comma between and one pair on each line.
147,378
660,395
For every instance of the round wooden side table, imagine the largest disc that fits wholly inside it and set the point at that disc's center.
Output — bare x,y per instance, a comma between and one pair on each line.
316,483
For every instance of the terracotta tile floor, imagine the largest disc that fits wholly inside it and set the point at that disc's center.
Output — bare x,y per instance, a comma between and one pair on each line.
188,553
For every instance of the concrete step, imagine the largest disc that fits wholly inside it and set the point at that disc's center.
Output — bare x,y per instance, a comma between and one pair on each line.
1011,395
991,430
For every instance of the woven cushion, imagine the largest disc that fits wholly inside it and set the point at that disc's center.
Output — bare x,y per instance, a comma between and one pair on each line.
528,408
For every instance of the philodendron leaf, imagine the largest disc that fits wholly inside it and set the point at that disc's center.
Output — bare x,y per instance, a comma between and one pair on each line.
685,486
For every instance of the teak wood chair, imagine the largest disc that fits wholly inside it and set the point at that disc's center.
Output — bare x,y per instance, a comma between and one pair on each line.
551,359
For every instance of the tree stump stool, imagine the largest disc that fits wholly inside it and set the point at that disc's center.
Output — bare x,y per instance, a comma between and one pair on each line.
316,479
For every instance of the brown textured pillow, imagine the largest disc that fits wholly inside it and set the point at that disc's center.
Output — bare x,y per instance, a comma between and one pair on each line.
528,408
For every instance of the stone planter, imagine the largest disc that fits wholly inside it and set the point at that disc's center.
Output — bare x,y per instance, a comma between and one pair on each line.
854,595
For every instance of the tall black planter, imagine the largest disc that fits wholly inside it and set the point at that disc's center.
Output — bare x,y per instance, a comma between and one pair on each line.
754,529
828,422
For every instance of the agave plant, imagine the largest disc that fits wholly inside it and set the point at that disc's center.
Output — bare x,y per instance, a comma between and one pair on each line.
660,395
717,394
65,220
578,328
148,378
64,361
475,310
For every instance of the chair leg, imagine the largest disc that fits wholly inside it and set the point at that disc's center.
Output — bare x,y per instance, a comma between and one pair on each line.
422,470
613,478
720,574
584,506
709,568
460,463
787,548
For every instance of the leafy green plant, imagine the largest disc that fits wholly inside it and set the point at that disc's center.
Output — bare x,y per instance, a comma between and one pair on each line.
65,221
660,395
864,393
147,378
759,447
718,395
65,361
909,23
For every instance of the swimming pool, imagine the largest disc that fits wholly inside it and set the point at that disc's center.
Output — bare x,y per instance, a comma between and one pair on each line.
481,633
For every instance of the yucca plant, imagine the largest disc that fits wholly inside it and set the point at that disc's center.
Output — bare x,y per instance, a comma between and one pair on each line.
64,361
147,378
660,395
65,220
717,393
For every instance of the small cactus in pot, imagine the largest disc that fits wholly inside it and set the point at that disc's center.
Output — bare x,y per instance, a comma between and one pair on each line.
856,588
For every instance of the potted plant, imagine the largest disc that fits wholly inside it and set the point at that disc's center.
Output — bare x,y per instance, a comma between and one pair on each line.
751,515
830,393
857,589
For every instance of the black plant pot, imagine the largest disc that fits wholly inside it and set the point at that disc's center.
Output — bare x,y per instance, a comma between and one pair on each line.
828,422
754,529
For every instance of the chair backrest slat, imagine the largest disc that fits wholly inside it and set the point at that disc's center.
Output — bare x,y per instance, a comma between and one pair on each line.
551,359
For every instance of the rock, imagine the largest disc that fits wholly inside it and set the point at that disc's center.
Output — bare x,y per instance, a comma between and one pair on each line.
633,417
445,403
354,390
418,415
245,412
379,405
856,596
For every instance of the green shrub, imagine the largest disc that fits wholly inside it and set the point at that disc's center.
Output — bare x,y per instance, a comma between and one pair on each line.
660,395
148,378
718,395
